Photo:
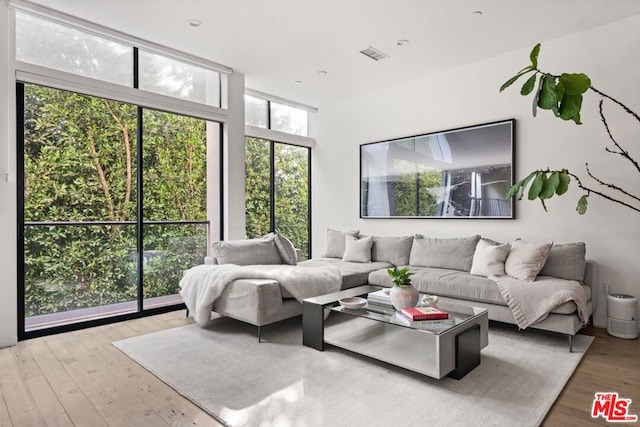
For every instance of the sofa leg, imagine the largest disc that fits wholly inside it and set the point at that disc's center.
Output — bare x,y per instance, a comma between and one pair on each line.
187,315
570,343
259,333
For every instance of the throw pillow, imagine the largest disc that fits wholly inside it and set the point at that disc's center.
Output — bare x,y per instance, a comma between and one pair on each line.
526,259
261,251
566,261
335,245
357,250
395,250
489,258
452,254
286,249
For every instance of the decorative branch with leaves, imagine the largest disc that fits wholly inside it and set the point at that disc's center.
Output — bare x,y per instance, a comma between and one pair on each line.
563,95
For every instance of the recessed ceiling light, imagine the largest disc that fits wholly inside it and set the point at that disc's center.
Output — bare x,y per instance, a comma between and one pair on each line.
477,13
194,22
297,82
322,73
402,42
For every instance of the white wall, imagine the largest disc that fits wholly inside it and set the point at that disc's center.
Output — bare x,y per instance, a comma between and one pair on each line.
8,308
469,95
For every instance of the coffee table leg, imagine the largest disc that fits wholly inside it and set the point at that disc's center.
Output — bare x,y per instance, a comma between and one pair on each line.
467,352
313,325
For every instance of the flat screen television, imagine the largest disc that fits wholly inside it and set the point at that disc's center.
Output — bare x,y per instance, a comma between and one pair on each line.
458,173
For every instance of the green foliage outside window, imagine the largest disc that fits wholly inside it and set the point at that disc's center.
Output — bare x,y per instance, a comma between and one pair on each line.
80,165
291,191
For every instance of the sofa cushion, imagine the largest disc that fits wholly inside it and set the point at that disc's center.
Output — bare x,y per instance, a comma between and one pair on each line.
261,251
353,273
454,253
336,242
286,250
566,261
447,282
526,259
357,250
461,285
489,258
395,250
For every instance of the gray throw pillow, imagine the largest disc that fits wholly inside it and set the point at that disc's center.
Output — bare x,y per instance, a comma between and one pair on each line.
286,250
566,261
526,259
489,258
261,251
358,250
335,245
452,254
395,250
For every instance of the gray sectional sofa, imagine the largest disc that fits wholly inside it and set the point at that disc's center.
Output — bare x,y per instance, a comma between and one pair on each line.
440,267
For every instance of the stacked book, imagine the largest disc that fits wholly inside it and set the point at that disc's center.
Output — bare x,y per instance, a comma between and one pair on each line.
425,316
382,297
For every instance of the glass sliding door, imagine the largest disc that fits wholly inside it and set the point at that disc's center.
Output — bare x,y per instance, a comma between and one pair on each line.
79,207
174,215
113,205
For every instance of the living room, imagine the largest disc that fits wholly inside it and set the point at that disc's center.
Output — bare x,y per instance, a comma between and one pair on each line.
458,94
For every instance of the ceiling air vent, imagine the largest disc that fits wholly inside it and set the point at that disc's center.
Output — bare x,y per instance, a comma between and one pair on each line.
374,53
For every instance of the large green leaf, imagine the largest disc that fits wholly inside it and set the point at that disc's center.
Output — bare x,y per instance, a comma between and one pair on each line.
575,84
548,94
560,90
563,185
534,55
550,186
521,73
582,204
536,95
528,85
570,106
520,185
576,119
536,186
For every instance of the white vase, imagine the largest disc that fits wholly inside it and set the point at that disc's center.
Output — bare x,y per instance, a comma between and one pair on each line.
404,296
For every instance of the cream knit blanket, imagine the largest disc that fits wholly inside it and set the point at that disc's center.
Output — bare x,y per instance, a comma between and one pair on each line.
531,302
203,284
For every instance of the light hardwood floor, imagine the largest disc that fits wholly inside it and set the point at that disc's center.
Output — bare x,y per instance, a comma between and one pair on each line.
80,379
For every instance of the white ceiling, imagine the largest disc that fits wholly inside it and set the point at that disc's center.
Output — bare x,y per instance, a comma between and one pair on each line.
276,42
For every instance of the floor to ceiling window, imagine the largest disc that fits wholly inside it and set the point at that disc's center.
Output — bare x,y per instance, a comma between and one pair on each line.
277,191
87,195
113,192
277,183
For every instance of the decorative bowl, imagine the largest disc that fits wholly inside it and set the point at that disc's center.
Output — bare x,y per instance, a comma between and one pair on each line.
352,302
427,300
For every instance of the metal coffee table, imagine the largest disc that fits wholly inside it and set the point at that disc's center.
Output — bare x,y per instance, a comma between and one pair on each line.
376,331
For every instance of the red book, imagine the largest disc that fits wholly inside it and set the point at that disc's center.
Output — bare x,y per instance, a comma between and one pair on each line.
424,313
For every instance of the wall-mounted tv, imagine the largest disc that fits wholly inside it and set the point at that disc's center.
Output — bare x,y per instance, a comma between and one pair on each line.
458,173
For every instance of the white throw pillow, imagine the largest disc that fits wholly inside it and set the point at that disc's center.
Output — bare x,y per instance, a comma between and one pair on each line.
489,258
335,245
358,250
526,259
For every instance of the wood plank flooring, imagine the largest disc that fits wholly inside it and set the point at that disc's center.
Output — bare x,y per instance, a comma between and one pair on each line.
80,379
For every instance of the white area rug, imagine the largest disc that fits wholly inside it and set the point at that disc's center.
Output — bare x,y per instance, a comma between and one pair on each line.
279,382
